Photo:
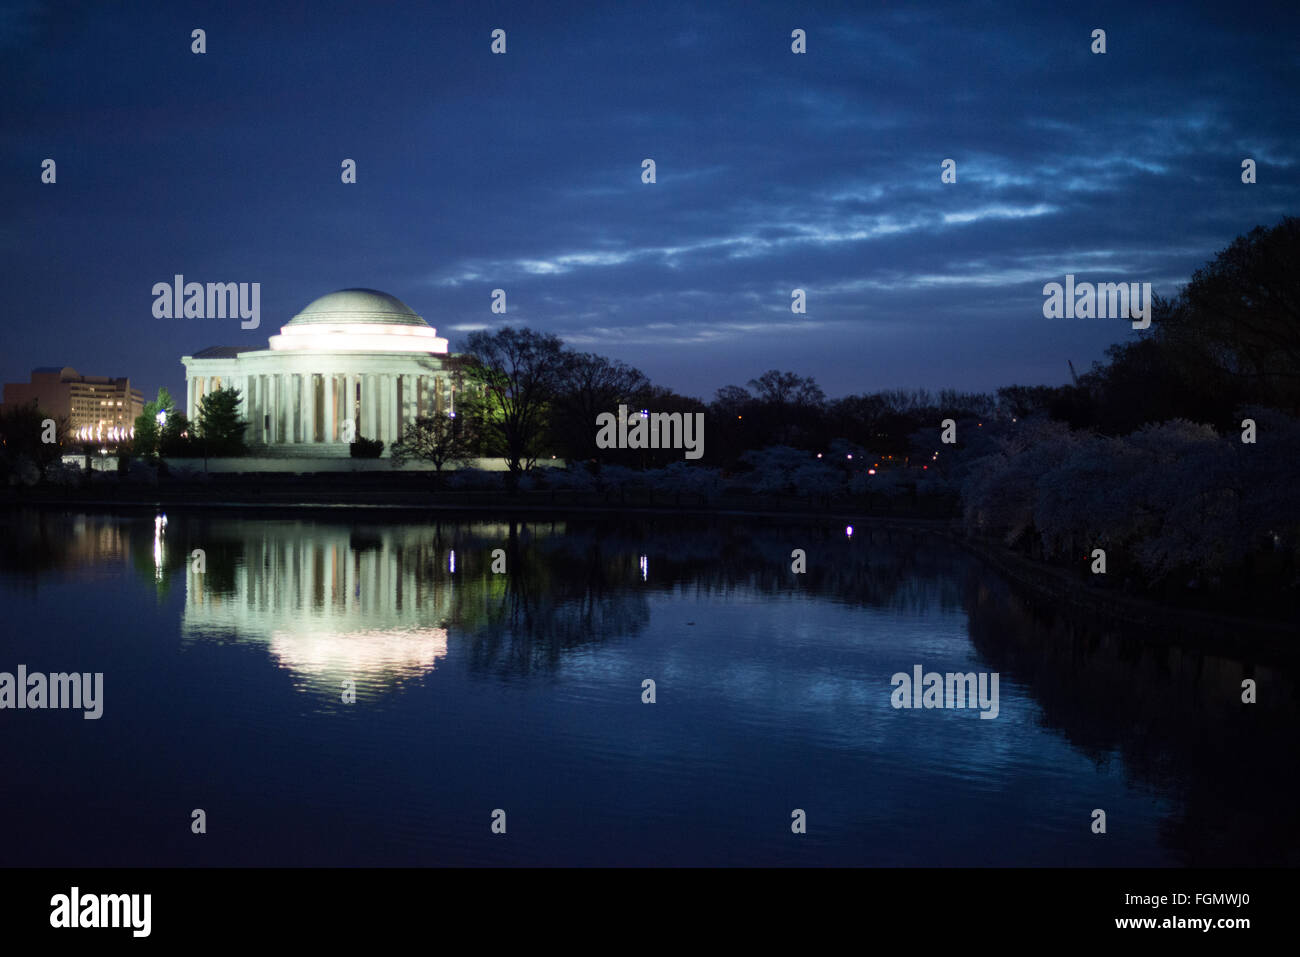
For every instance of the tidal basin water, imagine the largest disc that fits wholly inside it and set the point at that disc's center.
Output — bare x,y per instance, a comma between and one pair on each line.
477,691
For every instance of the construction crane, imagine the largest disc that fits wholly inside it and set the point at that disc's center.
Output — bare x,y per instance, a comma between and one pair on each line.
1073,375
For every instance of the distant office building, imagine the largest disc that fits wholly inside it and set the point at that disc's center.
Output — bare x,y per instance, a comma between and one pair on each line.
99,408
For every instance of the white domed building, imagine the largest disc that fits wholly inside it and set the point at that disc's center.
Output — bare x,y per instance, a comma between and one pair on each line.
354,362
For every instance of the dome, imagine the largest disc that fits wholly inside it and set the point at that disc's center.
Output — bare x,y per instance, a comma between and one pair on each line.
358,320
358,306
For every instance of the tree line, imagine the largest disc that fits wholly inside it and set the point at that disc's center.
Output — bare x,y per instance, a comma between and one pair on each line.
1180,449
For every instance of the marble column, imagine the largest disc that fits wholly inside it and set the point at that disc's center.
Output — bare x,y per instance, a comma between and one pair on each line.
292,398
254,409
308,408
408,402
261,409
286,408
292,407
270,410
263,423
329,397
287,384
297,407
363,405
264,407
368,405
359,403
350,402
275,394
394,412
292,393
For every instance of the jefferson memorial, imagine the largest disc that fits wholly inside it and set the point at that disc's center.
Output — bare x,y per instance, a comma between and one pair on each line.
355,362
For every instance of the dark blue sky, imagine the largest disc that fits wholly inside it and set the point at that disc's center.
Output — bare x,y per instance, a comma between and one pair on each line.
522,171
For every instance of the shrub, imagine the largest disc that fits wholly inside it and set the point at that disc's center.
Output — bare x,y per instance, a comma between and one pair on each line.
363,448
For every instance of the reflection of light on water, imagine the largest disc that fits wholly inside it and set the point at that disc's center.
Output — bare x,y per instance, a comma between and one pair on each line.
159,523
451,562
326,611
645,566
406,653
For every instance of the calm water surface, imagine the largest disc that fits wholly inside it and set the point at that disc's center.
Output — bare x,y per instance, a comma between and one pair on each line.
522,691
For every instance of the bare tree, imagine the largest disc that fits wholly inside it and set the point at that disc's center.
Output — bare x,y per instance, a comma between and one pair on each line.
441,440
519,371
787,388
589,385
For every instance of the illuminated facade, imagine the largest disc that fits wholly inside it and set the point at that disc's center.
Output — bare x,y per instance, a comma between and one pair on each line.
98,408
354,362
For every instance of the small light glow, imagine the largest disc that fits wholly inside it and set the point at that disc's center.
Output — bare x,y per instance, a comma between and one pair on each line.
645,566
871,471
848,531
451,562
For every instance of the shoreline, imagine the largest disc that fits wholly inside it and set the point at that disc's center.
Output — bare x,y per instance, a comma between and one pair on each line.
1165,623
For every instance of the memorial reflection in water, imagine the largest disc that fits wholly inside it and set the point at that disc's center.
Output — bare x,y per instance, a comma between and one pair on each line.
329,604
